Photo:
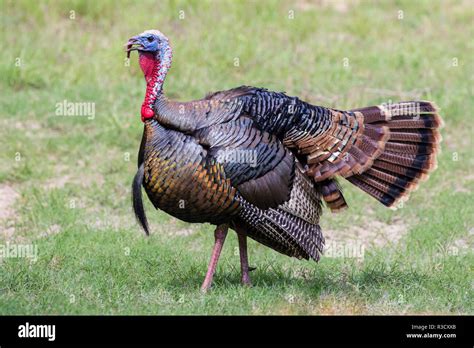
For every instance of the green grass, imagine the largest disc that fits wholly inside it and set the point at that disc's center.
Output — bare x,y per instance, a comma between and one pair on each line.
73,175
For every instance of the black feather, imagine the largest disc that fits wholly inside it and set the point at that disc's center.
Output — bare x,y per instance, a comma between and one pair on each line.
137,199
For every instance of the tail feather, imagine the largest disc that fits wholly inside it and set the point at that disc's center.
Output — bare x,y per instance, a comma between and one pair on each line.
408,122
422,162
411,148
137,199
384,198
408,155
332,195
416,136
401,181
401,170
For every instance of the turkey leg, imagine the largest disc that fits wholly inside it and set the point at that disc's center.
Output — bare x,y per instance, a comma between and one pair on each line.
219,234
244,261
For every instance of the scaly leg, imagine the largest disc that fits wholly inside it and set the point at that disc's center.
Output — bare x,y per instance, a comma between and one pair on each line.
219,234
244,261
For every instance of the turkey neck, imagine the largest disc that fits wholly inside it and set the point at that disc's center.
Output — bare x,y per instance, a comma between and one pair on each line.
155,66
156,106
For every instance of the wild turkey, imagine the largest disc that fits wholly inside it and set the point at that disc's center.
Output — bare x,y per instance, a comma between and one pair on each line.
262,162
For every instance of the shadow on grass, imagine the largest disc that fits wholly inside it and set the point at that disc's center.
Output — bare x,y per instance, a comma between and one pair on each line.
310,280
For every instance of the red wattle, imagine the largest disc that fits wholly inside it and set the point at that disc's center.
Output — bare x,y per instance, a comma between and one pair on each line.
148,62
150,67
147,113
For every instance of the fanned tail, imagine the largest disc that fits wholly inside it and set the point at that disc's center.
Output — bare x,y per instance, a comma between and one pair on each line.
406,156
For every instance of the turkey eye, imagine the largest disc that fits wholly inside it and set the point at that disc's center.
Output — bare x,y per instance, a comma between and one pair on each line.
150,38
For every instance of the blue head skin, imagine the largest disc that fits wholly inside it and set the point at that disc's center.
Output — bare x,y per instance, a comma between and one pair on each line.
155,60
148,41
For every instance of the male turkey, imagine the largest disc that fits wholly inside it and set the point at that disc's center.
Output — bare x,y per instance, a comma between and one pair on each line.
261,162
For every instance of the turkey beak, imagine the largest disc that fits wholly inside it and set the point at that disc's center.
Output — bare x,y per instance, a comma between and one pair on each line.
133,44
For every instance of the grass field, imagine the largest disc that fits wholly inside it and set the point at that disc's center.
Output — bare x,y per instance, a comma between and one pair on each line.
65,181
